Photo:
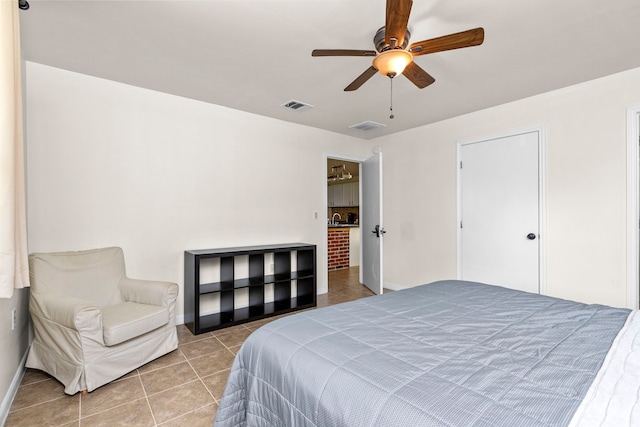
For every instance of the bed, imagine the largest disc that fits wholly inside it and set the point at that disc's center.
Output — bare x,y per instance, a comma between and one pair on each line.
449,353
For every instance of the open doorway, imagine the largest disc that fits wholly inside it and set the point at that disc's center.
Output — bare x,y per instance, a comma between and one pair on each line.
343,226
363,248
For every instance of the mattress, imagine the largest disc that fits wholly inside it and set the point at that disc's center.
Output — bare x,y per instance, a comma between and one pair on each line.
450,353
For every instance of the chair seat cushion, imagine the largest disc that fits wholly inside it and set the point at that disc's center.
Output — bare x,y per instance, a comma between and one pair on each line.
121,322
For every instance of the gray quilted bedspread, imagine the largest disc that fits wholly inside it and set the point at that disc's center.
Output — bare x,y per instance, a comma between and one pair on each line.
449,353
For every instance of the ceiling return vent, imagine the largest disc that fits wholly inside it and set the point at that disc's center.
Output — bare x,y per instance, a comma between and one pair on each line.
297,105
368,125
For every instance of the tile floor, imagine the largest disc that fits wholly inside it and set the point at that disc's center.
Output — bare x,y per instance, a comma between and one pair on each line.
181,388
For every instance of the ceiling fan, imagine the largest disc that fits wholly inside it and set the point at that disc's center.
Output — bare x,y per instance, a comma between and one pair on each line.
392,57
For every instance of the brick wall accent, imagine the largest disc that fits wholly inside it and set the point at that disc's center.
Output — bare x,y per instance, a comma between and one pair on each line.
338,244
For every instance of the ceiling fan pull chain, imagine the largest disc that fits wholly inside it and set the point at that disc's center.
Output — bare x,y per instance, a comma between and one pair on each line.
391,100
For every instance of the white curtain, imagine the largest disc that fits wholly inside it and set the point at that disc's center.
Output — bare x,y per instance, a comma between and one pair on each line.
14,270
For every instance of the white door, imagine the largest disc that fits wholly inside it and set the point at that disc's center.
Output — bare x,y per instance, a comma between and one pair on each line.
371,223
499,221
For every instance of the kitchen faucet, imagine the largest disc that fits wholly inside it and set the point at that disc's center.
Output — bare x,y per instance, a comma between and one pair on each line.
333,218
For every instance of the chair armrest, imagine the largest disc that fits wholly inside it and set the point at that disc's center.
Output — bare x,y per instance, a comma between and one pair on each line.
69,312
148,291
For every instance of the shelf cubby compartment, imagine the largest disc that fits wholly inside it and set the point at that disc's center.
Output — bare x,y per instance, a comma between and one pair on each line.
236,277
256,284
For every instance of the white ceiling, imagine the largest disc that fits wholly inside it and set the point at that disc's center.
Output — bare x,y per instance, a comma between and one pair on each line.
256,55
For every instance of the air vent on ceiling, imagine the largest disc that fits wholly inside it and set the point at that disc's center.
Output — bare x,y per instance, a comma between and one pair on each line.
368,125
296,105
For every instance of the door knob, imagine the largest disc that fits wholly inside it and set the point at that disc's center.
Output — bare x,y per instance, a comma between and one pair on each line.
378,230
531,236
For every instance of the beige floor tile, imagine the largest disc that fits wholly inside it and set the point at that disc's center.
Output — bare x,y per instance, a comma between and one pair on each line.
111,395
202,417
257,323
56,412
201,348
186,336
254,328
216,383
212,362
166,406
171,376
131,374
229,329
132,414
235,349
168,359
36,393
234,338
33,376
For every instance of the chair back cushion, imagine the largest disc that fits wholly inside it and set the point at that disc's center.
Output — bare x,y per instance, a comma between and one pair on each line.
92,275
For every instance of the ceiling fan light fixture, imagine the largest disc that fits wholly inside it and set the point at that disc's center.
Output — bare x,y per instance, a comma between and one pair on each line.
392,62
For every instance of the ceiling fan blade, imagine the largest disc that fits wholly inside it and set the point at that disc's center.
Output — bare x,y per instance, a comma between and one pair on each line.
397,20
467,38
343,52
417,75
361,79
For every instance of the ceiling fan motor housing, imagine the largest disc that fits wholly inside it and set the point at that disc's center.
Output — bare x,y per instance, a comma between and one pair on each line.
381,44
391,56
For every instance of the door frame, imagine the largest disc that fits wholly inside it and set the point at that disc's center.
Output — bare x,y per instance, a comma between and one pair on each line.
633,209
542,267
354,159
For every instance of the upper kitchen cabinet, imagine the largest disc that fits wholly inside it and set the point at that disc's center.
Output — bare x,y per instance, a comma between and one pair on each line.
334,195
343,195
351,194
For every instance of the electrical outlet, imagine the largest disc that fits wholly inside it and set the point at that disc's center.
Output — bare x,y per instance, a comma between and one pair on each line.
14,318
270,268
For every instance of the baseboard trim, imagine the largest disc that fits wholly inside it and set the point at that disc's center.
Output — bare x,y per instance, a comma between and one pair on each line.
13,389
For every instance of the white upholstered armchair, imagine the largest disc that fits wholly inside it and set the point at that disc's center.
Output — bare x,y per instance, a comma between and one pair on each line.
93,324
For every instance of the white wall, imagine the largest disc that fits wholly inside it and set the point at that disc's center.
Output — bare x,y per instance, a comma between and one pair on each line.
111,164
585,127
14,344
158,174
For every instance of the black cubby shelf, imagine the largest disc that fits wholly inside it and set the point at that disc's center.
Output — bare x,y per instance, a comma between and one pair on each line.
247,283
